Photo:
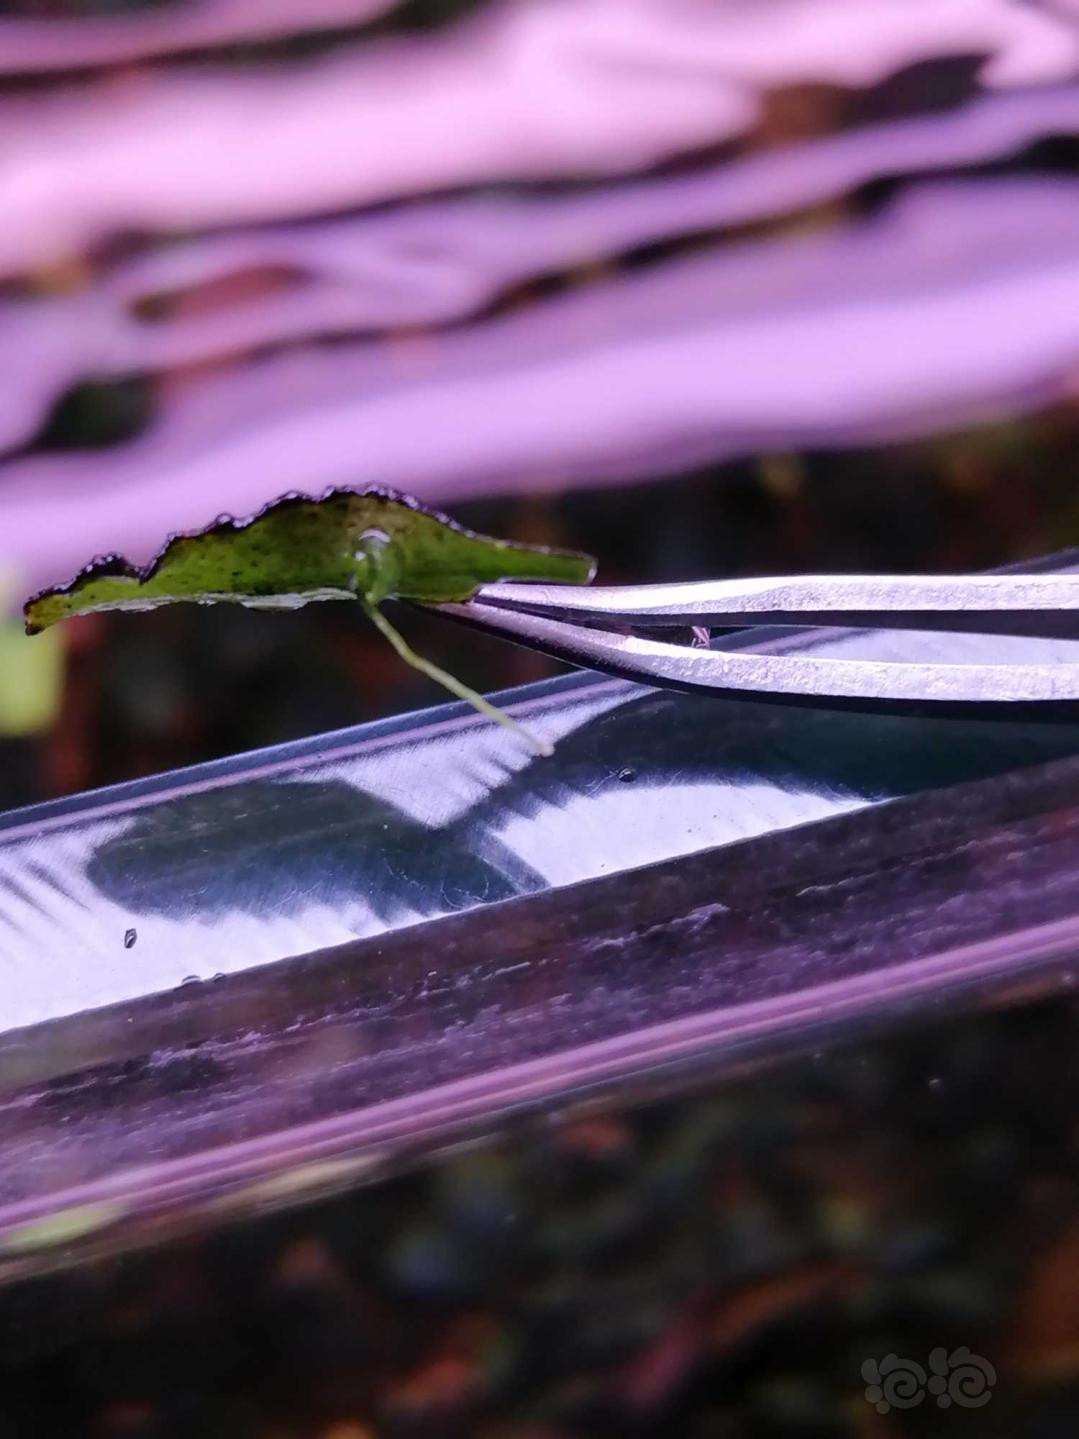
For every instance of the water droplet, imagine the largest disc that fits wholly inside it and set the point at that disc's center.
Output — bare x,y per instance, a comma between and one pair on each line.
130,936
190,979
627,775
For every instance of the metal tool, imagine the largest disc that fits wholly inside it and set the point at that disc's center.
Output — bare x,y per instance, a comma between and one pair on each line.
615,629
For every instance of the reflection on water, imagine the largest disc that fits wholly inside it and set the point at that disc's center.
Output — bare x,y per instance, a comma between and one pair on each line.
276,847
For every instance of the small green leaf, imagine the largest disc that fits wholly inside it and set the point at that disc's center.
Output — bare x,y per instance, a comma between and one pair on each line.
368,545
372,543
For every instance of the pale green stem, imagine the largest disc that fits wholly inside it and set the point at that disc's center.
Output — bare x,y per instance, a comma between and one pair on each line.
450,682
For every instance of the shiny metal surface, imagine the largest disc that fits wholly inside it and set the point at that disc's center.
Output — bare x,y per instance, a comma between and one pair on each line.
1002,604
591,627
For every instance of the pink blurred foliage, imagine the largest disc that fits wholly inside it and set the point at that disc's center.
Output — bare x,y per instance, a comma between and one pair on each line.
956,304
428,264
528,89
29,45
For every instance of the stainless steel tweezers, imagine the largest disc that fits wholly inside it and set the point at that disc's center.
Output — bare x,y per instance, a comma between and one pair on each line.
618,629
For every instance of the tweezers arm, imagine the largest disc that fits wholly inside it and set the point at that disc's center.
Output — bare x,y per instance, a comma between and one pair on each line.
806,677
1044,605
